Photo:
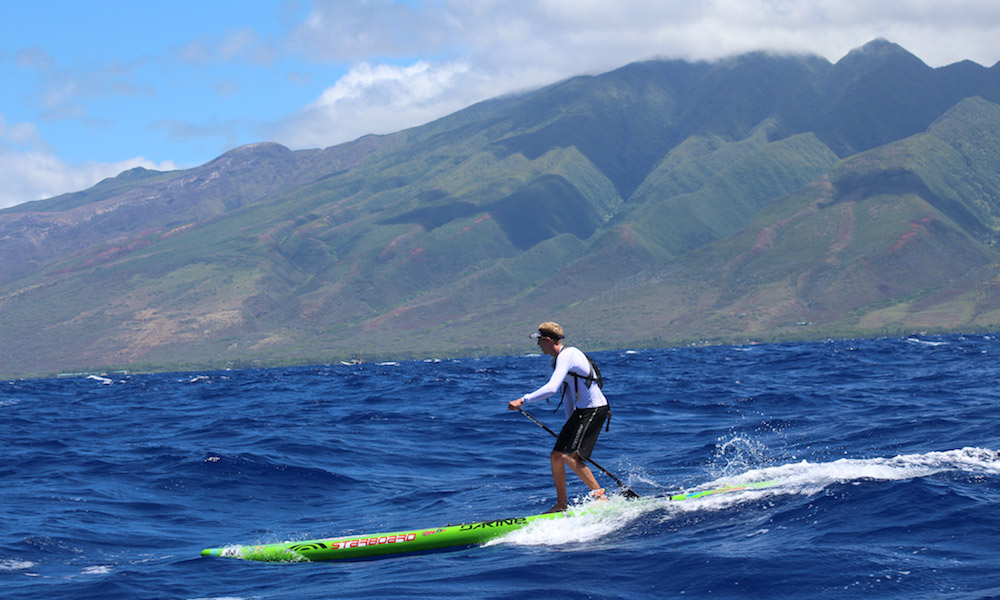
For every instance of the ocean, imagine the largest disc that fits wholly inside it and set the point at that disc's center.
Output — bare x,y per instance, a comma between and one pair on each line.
885,455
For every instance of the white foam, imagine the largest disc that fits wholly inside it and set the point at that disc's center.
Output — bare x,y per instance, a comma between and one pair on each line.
597,520
9,564
97,570
807,477
921,342
591,521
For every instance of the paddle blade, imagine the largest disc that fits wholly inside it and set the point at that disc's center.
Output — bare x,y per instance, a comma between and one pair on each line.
629,493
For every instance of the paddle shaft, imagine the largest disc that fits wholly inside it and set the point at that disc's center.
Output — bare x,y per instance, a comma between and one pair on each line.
625,489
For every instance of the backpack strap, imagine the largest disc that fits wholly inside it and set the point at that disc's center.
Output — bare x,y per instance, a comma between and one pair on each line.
592,376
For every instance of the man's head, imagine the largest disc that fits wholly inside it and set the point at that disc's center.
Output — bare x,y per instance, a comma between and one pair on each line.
549,336
550,330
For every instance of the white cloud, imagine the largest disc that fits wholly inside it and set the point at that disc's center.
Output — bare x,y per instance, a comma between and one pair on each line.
29,170
492,47
238,45
351,31
35,57
38,175
19,134
376,99
410,62
589,34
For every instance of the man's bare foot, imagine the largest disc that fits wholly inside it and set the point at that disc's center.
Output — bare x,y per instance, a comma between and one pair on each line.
557,508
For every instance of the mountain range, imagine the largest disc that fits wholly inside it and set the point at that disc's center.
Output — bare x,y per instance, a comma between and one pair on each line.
761,197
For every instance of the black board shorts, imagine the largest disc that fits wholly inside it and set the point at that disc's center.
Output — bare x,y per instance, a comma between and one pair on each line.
580,432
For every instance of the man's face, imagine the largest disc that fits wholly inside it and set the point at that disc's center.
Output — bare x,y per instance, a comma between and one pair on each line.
546,345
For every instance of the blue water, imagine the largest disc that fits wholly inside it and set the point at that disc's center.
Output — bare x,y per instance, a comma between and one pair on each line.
885,454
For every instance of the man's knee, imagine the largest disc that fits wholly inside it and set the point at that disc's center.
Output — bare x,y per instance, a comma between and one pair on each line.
563,458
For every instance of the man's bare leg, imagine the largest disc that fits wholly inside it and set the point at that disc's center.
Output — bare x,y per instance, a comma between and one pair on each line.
559,462
559,478
582,470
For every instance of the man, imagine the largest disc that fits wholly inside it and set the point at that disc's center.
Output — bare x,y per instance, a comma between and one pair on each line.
585,406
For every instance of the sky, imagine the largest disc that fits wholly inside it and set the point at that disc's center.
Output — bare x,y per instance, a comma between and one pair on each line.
90,89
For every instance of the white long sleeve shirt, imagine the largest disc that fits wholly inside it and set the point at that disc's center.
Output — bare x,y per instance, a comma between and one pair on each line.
577,394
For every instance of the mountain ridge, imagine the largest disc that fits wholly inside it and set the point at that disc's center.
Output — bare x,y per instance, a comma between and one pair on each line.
663,202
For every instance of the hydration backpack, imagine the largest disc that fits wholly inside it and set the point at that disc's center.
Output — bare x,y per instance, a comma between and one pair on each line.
594,376
591,378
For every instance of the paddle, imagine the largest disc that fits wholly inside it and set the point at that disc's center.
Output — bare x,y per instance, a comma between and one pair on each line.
625,489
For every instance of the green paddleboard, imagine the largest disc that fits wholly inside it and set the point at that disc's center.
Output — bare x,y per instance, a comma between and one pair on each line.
414,541
379,545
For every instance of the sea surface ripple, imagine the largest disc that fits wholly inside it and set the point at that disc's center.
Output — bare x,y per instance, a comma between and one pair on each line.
885,455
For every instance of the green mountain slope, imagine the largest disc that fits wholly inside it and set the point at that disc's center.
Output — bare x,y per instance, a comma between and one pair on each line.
664,202
898,238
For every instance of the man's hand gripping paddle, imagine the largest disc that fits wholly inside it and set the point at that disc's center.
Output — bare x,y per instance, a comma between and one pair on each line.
625,489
